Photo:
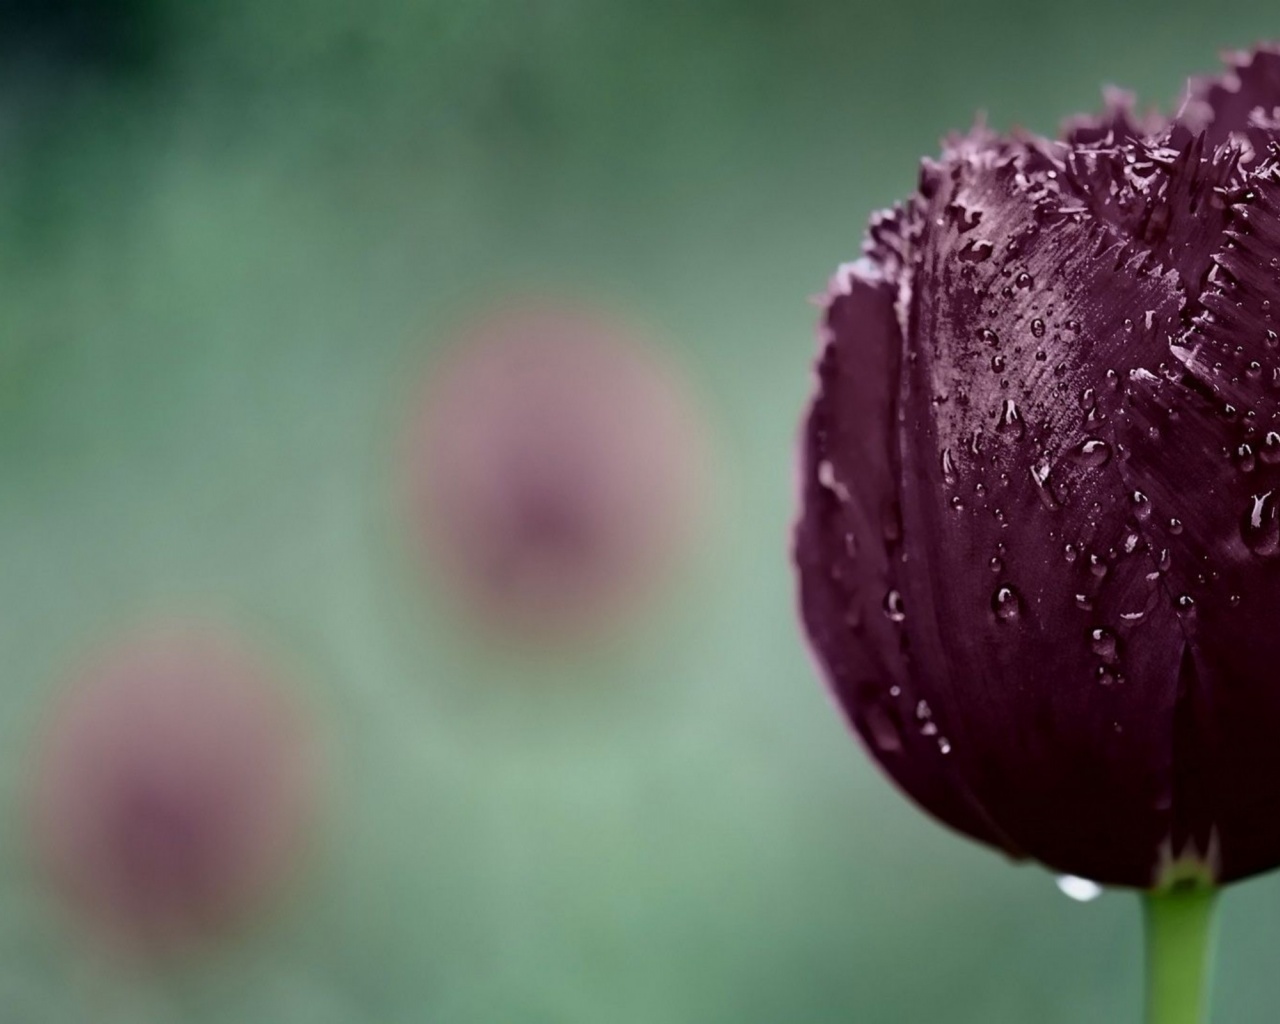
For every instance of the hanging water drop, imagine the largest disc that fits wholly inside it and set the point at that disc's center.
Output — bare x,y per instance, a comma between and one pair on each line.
1079,889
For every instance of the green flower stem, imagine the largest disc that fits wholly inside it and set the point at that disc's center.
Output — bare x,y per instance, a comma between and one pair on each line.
1180,934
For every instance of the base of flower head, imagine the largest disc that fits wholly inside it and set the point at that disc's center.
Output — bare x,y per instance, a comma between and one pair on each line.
1189,869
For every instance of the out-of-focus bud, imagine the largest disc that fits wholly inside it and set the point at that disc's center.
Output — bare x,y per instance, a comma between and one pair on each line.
556,469
172,789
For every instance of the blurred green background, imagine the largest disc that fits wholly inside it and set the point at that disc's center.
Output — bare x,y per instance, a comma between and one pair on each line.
225,230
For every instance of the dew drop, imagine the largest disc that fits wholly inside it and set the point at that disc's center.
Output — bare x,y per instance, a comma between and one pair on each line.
1270,451
1105,645
1098,566
1040,477
988,337
1037,327
996,564
893,607
1024,280
1070,553
1093,452
1084,602
1175,526
1185,605
1141,505
1245,461
1079,889
997,363
1006,604
975,250
1260,527
948,467
882,729
1010,421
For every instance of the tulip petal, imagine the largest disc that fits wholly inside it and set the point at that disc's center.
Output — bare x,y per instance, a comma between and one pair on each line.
1242,101
1059,699
847,546
1218,417
1116,123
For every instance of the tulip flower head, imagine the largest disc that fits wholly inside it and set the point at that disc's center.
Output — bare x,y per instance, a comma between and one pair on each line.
1039,543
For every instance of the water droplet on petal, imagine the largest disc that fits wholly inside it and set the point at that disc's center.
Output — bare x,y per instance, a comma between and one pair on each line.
1037,327
1105,644
1040,476
1270,453
1141,505
976,250
1010,421
1093,452
882,729
893,606
1260,527
1006,604
948,467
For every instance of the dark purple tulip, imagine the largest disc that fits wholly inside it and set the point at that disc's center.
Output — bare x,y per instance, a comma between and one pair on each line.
1039,547
171,790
